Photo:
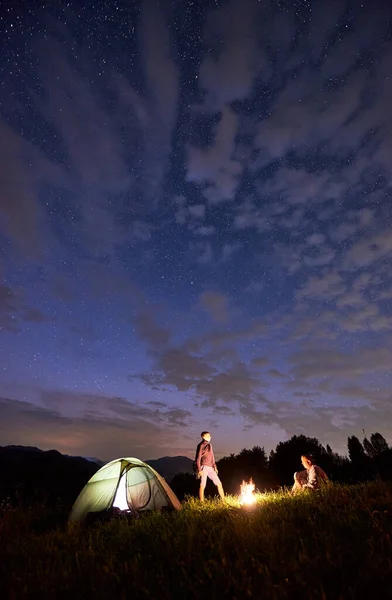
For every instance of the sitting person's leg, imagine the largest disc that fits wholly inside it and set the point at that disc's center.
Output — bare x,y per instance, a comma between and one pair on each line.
300,479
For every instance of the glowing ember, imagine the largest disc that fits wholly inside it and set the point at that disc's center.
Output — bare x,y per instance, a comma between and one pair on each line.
247,495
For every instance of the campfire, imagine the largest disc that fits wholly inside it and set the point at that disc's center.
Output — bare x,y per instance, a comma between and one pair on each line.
247,495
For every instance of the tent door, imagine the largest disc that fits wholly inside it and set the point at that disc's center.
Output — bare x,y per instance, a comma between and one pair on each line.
120,500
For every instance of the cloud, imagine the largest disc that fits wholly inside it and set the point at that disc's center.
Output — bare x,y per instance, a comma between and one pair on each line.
237,334
229,250
16,312
369,249
207,367
352,224
316,239
352,47
175,367
224,411
216,305
23,169
197,210
202,252
305,116
79,116
204,231
191,214
91,174
227,71
338,301
298,186
260,361
149,330
276,373
94,406
215,167
340,365
341,104
313,147
162,96
211,253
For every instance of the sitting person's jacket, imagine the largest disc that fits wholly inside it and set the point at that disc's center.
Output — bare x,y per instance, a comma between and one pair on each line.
316,475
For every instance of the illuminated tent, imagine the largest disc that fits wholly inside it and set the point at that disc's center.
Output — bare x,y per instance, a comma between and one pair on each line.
127,484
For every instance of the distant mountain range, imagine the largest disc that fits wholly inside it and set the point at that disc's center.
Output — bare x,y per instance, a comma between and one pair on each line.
93,459
29,475
167,466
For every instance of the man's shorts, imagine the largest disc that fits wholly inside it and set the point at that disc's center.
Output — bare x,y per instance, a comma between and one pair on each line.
209,472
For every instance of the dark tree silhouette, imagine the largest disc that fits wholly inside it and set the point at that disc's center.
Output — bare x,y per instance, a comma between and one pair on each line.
356,451
184,484
360,462
381,456
247,464
379,443
287,457
369,449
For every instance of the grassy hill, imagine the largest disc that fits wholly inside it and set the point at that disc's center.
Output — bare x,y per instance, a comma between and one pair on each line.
335,544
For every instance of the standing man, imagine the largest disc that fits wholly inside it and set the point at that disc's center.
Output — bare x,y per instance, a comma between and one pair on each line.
206,466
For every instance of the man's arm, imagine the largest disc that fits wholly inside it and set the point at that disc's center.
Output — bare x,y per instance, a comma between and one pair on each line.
213,459
198,457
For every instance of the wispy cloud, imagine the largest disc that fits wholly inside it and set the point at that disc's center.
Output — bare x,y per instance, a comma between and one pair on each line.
100,144
215,167
16,311
228,70
23,170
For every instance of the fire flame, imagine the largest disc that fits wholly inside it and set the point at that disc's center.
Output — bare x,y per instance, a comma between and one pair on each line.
247,493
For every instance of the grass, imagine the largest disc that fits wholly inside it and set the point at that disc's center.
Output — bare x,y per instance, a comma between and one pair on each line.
336,544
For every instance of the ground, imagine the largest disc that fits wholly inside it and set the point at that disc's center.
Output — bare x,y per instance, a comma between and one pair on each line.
335,544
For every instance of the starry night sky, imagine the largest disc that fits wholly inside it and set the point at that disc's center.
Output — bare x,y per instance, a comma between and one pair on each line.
195,223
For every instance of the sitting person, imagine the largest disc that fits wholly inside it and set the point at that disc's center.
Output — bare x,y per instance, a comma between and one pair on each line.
311,478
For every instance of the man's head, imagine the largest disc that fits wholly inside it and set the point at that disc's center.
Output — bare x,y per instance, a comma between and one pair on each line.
206,436
307,460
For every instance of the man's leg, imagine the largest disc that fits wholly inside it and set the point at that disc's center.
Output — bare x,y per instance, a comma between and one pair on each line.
215,479
221,491
203,481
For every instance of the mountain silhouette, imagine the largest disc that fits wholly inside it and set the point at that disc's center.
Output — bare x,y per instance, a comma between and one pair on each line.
31,475
169,466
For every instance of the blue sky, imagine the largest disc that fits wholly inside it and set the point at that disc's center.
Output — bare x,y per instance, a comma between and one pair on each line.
195,224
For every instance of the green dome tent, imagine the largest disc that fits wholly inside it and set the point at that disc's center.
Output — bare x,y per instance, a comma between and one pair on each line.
127,484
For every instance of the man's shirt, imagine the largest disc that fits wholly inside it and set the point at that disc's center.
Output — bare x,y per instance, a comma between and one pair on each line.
205,455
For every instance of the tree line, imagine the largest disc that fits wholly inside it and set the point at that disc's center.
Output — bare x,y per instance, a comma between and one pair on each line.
366,460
